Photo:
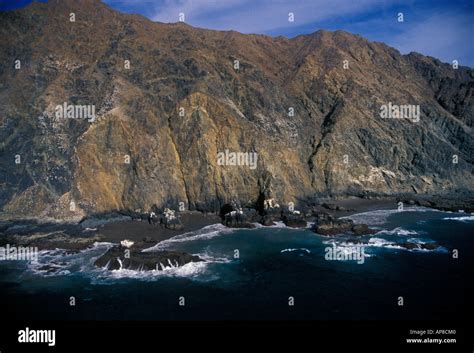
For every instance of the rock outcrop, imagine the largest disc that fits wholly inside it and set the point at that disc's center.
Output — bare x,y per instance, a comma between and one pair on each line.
117,258
419,246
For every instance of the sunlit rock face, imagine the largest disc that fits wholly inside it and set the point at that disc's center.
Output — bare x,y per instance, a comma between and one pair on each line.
168,98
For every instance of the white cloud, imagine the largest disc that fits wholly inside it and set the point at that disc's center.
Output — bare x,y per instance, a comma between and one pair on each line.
249,16
444,35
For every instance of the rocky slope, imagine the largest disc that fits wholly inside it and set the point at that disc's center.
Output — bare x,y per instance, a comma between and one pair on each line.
161,123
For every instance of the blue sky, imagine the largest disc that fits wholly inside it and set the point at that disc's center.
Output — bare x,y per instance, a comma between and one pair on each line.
440,28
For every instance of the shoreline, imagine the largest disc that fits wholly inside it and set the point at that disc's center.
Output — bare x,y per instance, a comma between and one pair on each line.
140,231
137,230
81,235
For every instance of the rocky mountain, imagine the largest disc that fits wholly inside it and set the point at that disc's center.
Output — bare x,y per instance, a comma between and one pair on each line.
169,99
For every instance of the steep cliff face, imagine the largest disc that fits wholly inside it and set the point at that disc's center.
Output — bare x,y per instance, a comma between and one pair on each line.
309,107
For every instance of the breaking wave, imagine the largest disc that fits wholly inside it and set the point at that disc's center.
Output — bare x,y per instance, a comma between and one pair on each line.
376,242
398,231
191,270
460,219
208,232
60,262
380,217
296,250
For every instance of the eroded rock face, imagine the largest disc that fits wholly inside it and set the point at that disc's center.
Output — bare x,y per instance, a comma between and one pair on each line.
161,123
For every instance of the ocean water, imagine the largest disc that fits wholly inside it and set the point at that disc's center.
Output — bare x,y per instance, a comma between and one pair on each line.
276,266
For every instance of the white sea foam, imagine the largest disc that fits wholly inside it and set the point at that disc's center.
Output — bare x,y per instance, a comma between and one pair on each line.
460,219
378,242
60,262
278,224
417,241
397,231
379,217
208,232
344,242
383,243
211,258
193,270
296,249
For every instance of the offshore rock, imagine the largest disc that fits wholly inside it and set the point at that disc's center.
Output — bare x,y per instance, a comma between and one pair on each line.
116,258
333,226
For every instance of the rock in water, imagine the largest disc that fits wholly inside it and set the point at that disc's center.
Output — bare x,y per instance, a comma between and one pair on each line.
116,258
333,226
430,246
425,246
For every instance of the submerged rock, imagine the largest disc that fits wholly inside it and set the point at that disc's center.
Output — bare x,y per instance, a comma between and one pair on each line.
430,246
424,246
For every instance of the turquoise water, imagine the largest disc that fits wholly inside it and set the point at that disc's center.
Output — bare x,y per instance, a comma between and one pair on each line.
251,274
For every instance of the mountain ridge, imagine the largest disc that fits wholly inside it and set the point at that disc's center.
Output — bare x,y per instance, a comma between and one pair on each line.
172,158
